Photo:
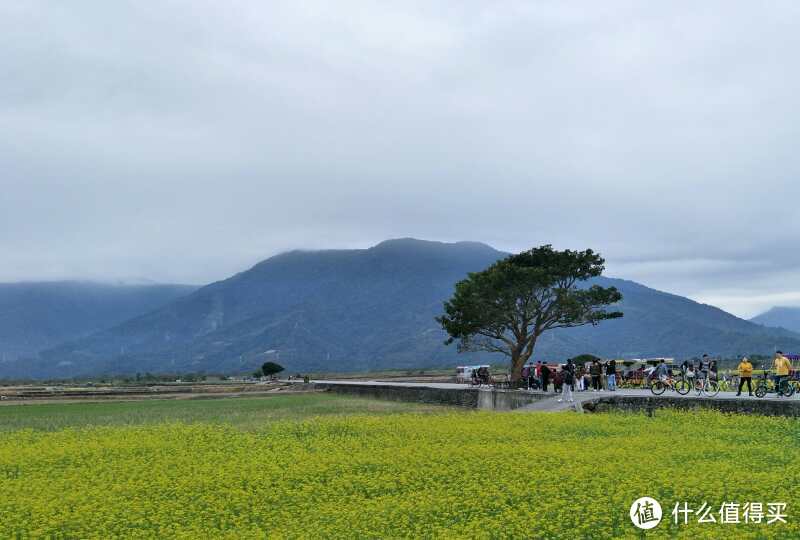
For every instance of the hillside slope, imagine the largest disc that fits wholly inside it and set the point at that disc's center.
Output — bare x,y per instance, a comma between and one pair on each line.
353,309
780,317
37,316
374,308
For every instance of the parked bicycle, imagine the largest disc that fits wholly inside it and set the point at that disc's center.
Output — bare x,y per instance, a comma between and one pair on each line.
706,386
680,385
765,386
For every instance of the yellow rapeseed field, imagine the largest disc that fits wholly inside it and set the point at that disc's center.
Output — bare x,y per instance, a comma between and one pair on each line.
456,474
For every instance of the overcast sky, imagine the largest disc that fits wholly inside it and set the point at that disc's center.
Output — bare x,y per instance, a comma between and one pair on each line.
184,141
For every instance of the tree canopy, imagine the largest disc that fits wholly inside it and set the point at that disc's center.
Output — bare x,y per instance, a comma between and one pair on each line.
271,368
583,358
506,307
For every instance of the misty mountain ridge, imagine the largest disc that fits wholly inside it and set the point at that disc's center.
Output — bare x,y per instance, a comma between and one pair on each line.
38,315
366,309
786,317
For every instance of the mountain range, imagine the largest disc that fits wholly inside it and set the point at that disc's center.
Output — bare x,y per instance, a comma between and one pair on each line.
37,316
780,317
365,309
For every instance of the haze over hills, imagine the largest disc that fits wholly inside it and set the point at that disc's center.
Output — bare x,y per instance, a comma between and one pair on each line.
37,316
339,310
780,317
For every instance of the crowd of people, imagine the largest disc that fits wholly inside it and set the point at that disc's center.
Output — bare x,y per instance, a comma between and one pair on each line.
600,376
597,377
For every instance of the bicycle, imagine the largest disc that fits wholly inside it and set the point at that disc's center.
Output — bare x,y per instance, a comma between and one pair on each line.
766,386
681,386
706,386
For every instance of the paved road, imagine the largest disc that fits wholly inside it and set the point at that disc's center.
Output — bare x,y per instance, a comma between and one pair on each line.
452,386
588,395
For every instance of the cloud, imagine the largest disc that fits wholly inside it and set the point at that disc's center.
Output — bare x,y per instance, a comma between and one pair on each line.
184,141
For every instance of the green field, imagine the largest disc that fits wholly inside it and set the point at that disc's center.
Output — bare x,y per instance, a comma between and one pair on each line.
244,413
321,465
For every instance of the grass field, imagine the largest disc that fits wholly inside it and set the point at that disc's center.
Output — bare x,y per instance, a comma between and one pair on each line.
310,466
244,413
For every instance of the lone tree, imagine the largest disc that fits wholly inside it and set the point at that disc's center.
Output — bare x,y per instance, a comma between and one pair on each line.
583,358
506,307
271,368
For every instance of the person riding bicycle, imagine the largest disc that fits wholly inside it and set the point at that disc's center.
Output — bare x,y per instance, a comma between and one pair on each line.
701,371
712,370
661,372
690,373
781,365
684,367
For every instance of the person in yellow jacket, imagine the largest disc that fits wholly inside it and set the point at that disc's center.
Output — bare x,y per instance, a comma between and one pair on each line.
781,365
745,374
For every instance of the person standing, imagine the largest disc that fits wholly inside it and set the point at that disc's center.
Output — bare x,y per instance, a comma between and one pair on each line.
569,380
545,377
611,375
647,374
602,374
538,373
596,371
532,381
745,375
781,365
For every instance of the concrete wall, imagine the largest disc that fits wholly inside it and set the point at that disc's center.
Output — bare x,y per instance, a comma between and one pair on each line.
473,398
766,407
505,400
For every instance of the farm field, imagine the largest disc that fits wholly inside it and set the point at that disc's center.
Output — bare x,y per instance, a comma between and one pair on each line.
318,465
244,412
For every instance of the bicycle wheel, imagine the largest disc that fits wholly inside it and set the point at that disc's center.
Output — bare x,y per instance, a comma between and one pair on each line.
711,389
682,387
658,388
787,388
761,390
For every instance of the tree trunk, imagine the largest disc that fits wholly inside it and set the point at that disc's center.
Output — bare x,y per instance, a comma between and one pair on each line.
519,357
517,361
